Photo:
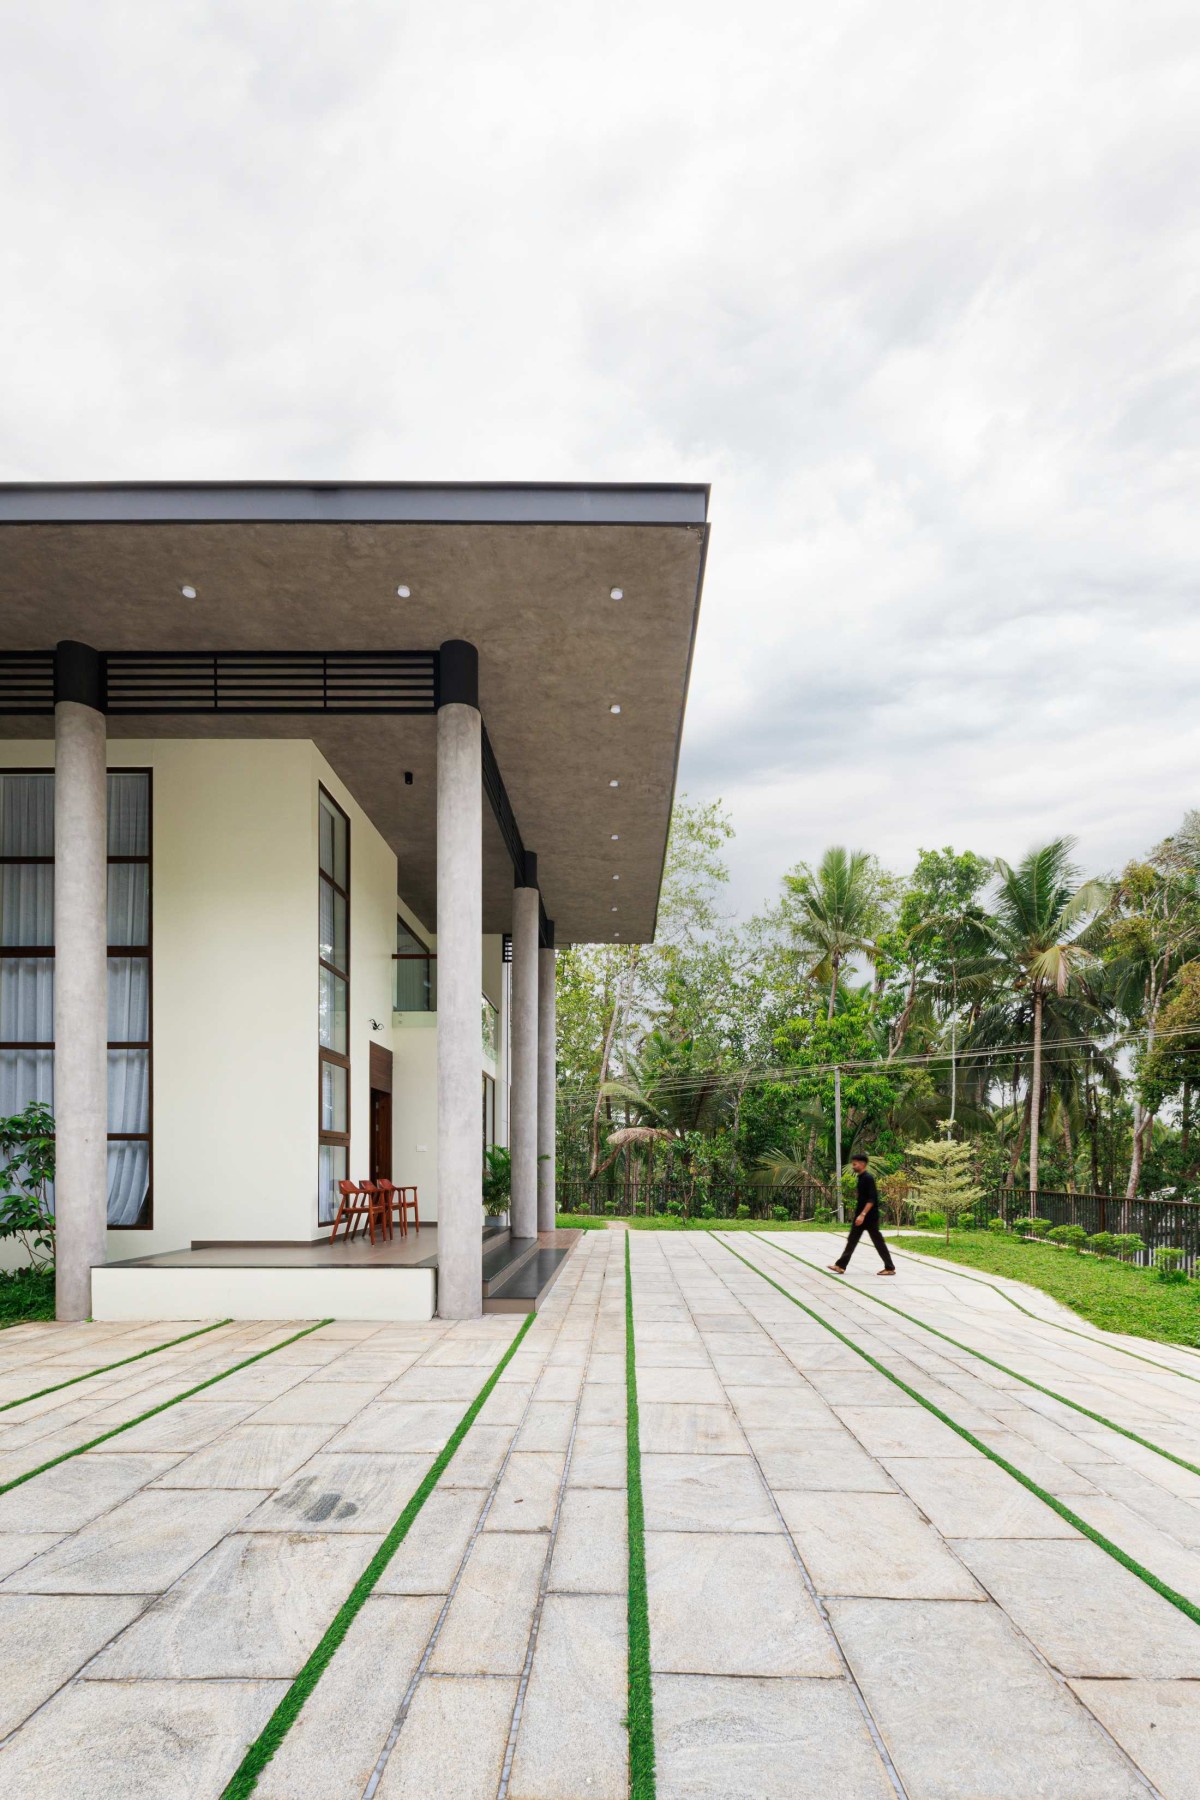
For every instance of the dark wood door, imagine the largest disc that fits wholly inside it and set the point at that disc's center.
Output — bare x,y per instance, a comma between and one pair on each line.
381,1135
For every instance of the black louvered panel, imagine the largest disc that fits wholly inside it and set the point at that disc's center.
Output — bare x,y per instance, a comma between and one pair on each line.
392,681
26,681
493,787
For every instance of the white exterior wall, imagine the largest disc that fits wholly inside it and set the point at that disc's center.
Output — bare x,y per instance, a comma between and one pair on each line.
234,992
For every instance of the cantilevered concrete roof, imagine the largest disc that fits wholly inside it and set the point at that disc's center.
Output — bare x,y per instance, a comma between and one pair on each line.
523,572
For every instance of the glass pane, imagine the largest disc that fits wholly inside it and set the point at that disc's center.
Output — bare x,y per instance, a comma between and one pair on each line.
128,999
128,815
331,1168
333,843
128,903
333,1097
27,903
491,1024
333,926
129,1090
332,1011
413,986
27,999
128,1182
27,815
25,1075
406,943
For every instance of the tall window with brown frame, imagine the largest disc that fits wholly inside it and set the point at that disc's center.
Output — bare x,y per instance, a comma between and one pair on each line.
333,1053
27,971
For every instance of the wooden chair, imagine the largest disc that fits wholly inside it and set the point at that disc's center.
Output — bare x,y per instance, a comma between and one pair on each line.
378,1212
407,1201
352,1209
393,1203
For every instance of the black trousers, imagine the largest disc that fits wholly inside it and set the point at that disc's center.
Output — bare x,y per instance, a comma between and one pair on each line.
876,1236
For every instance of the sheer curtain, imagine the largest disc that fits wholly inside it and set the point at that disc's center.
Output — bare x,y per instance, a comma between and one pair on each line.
27,982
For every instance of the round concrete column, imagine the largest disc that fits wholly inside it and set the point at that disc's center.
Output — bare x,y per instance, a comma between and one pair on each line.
460,986
547,1089
523,1098
80,1002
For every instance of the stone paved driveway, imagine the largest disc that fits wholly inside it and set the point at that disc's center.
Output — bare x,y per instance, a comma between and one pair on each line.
846,1599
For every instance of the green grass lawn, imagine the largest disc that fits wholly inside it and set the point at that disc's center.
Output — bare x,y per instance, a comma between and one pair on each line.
662,1222
1114,1295
26,1294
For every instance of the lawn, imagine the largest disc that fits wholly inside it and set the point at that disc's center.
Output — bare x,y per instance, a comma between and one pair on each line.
664,1222
1113,1295
26,1294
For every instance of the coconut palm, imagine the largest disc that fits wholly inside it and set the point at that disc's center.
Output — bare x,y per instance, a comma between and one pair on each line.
835,914
1041,911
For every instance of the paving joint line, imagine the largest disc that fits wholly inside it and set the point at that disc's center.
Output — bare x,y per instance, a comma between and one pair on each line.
544,1583
420,1673
107,1368
1060,1680
817,1599
1062,1399
1151,1580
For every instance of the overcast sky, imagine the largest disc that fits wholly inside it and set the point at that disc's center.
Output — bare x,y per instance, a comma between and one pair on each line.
914,285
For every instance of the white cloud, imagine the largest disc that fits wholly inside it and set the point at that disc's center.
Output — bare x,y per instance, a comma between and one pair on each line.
913,286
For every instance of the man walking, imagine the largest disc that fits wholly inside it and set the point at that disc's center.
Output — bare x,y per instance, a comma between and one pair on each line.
866,1218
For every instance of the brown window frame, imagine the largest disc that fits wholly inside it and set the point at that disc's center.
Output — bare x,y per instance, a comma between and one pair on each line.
145,951
333,1139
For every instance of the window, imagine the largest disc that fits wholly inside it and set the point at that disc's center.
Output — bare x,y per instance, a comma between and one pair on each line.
27,971
333,1008
416,973
491,1029
489,1113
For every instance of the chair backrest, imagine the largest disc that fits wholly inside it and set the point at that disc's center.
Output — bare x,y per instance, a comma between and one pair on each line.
346,1188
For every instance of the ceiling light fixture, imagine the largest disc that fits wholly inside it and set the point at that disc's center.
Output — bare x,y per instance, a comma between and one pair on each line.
403,591
612,909
616,878
616,593
614,709
188,591
614,784
616,837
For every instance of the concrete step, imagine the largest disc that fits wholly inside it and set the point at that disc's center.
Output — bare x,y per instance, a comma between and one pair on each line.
524,1288
502,1260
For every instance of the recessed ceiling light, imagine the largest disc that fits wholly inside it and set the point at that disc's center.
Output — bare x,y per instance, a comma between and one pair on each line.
614,709
616,593
403,591
614,784
612,909
616,837
616,878
188,591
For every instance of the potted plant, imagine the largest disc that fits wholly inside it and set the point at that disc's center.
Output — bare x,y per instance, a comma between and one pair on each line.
497,1181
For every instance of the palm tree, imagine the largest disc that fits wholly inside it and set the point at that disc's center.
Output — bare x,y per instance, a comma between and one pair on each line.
836,913
1041,911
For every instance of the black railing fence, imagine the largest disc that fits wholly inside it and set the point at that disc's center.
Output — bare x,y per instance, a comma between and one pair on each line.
1161,1224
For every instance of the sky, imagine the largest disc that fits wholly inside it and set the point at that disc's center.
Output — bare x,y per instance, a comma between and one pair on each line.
914,286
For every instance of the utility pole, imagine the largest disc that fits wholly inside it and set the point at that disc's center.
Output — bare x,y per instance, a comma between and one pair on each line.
837,1142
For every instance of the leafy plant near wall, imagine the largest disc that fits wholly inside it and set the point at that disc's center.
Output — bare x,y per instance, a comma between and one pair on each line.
26,1171
942,1184
497,1180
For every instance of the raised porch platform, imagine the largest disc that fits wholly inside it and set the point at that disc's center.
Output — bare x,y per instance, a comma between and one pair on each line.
351,1279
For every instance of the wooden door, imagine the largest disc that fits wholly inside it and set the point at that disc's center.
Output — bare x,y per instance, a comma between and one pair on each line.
381,1135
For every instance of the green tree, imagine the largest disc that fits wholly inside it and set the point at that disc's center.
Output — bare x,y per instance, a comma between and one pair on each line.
837,913
942,1177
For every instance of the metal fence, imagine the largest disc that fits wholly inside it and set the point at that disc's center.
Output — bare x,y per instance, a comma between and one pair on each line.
1161,1224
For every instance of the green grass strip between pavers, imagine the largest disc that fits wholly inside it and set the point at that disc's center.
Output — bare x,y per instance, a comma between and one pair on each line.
642,1781
1185,1606
1088,1337
107,1367
245,1777
150,1413
1109,1424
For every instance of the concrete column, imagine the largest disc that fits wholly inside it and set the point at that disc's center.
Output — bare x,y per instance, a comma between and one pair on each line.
547,1088
523,1099
80,978
502,1056
460,985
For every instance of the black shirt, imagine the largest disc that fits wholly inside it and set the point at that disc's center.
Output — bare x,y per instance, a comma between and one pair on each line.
868,1196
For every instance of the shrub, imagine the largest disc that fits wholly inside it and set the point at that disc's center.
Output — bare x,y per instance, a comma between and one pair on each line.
1040,1228
997,1225
1168,1264
708,1210
781,1213
1071,1237
743,1211
1102,1242
1129,1244
822,1215
674,1207
26,1171
931,1221
966,1222
1024,1226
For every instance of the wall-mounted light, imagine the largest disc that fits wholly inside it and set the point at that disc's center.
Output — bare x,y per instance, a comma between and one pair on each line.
375,1024
408,777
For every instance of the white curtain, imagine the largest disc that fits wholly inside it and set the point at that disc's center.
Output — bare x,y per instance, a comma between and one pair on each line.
128,815
27,815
